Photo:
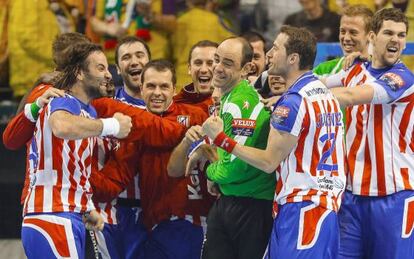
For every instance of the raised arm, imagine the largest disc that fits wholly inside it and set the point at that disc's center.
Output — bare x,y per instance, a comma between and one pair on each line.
151,129
349,96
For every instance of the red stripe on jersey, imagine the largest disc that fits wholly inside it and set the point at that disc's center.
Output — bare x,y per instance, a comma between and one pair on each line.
82,181
366,173
56,232
57,163
356,70
357,140
301,141
412,141
406,178
290,197
71,169
379,149
315,151
39,193
323,202
405,120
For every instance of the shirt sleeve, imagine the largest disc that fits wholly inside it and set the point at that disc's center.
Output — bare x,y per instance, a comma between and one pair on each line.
395,84
334,80
288,113
68,104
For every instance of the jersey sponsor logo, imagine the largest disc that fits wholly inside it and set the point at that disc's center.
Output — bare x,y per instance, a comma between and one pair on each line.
194,188
280,114
394,81
184,120
243,127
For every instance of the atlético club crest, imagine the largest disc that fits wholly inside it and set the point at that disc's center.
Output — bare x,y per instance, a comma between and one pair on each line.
184,120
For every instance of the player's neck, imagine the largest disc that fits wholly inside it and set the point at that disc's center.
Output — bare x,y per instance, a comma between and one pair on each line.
133,92
79,92
293,76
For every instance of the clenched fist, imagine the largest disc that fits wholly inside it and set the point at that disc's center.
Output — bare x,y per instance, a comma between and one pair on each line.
125,125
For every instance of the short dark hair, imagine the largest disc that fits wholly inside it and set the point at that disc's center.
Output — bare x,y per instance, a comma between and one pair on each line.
362,11
77,61
302,42
130,40
201,44
253,36
160,65
388,14
62,43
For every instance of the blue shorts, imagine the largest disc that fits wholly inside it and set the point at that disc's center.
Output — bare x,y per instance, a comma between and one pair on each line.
53,235
125,239
377,227
304,230
174,239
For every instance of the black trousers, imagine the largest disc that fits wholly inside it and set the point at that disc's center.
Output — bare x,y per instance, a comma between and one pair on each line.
238,228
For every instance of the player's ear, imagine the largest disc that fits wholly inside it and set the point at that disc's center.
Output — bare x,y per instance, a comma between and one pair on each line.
80,75
246,69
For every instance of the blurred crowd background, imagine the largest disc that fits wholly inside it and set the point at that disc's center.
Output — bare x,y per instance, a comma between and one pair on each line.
170,27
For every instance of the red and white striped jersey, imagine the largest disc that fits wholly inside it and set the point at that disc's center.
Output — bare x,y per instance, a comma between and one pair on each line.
60,168
380,137
314,170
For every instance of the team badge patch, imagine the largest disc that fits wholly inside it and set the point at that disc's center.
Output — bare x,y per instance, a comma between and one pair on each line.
184,120
280,114
243,127
394,81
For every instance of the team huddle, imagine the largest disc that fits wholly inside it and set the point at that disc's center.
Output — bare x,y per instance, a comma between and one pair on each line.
322,169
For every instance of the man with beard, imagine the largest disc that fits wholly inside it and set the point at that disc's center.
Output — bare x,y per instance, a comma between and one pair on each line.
305,139
61,159
376,215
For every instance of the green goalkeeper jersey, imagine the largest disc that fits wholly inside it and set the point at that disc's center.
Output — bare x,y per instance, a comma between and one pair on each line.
329,67
246,121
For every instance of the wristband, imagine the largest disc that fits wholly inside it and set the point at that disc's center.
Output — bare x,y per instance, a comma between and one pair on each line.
34,109
225,142
110,127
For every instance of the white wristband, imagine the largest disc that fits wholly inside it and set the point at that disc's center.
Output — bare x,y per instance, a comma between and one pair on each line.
110,127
